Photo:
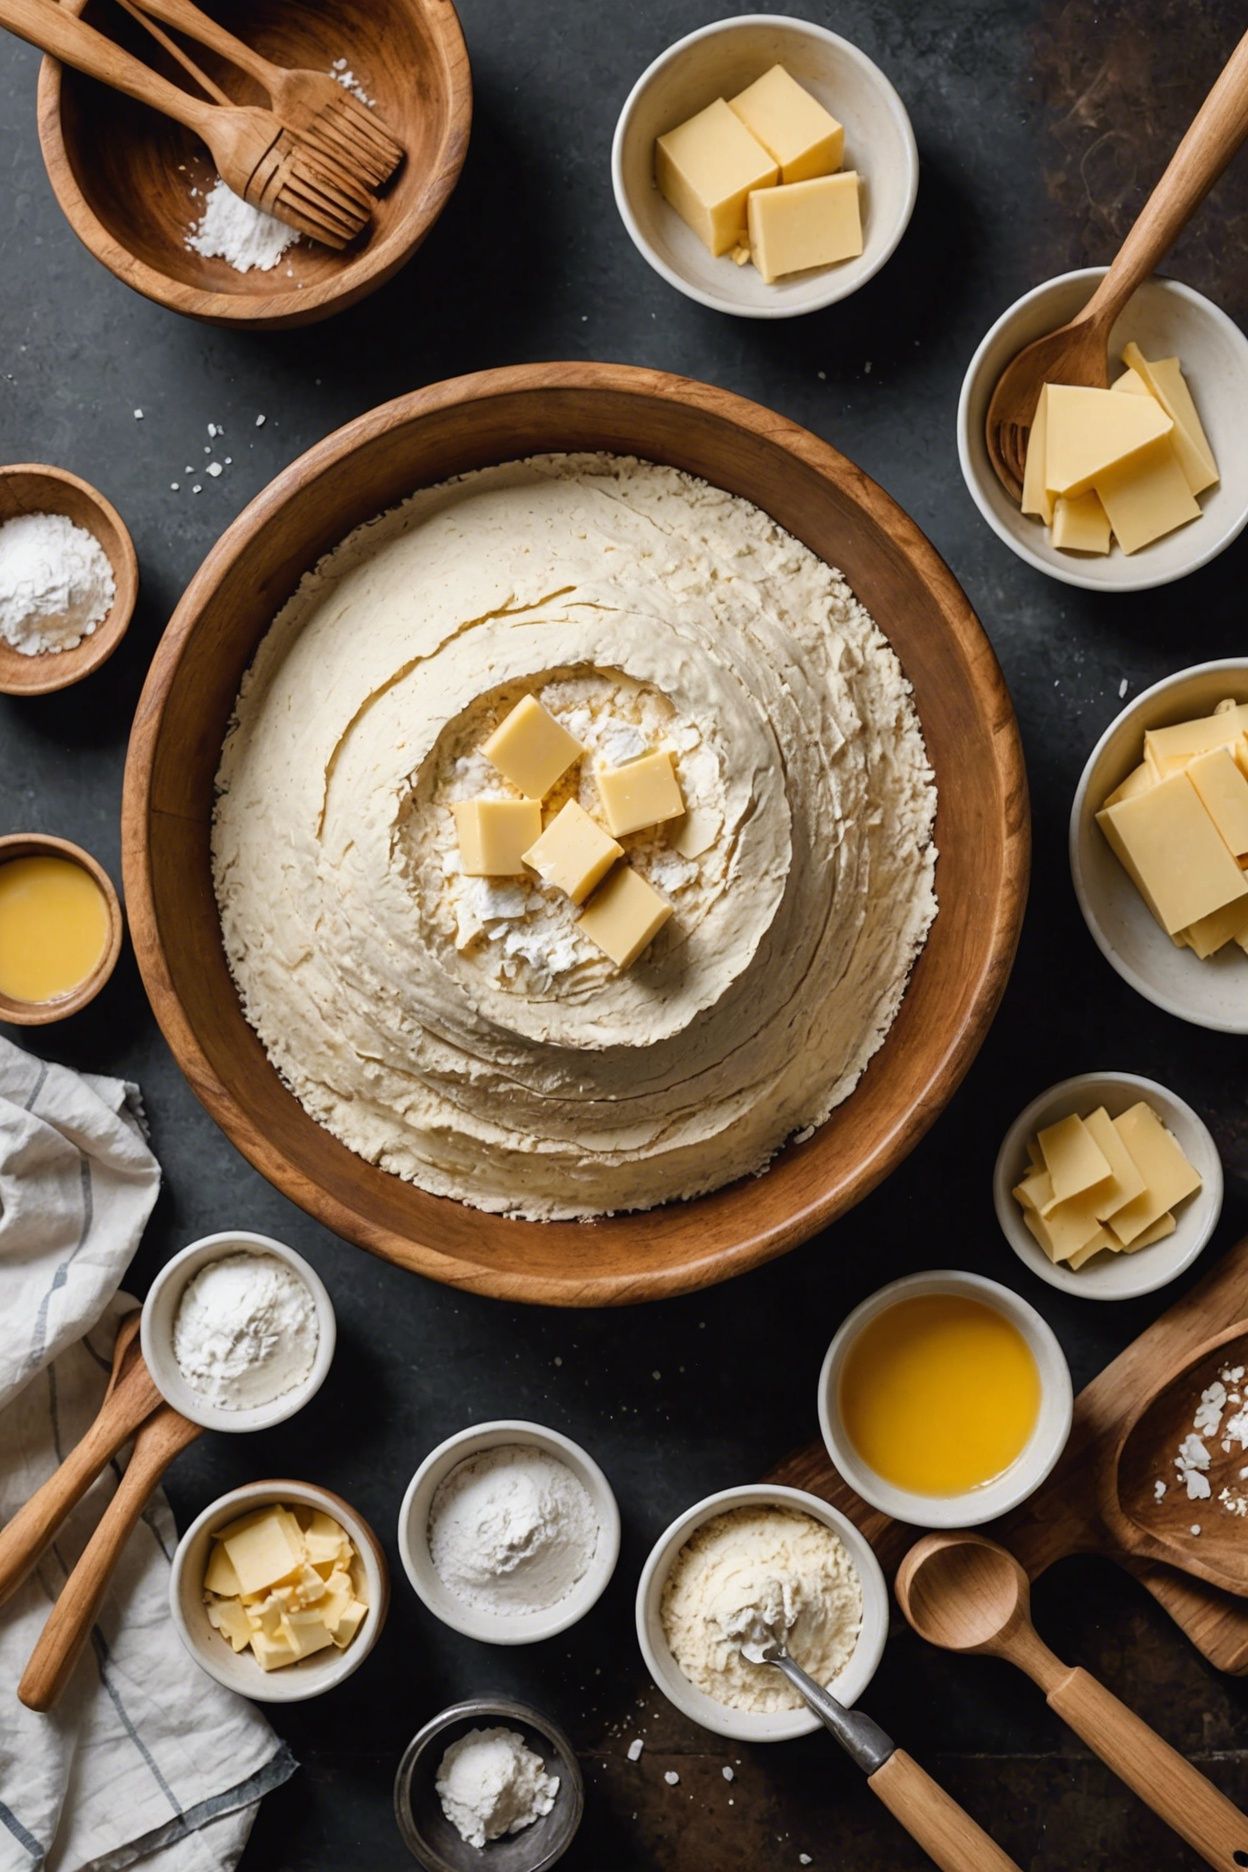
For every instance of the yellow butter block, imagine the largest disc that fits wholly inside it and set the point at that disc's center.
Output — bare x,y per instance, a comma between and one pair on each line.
1099,1243
349,1623
706,168
1091,431
624,915
1168,1176
531,749
1218,779
219,1574
644,792
305,1633
1146,496
1163,1226
1214,931
1080,523
1064,1230
1163,379
1173,852
1131,384
228,1617
494,835
1036,497
263,1553
1071,1158
805,224
792,126
272,1653
1125,1180
1170,749
1035,1191
1138,781
573,853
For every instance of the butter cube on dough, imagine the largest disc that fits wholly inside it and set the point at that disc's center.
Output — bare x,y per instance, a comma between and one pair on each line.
624,916
1071,1158
1146,496
642,793
1080,523
805,224
1091,431
531,749
1036,497
792,126
706,168
573,853
1173,853
1224,791
263,1553
1168,1176
494,835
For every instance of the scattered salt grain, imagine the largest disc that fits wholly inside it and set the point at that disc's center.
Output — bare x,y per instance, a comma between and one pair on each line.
175,485
634,1749
1122,688
727,1774
230,229
1159,1490
138,415
804,1859
260,421
349,82
671,1777
214,468
1195,1528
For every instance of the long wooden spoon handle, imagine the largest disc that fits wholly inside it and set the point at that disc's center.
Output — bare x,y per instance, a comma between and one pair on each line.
1215,133
1178,1793
945,1831
71,1618
24,1537
74,42
206,84
198,26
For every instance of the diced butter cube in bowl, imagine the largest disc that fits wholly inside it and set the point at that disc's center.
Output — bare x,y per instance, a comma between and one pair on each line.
279,1590
706,168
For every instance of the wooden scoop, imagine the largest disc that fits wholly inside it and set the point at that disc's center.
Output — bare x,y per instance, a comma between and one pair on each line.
1144,1455
1078,352
965,1593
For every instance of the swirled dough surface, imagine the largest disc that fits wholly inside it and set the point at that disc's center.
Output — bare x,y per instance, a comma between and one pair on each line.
462,1032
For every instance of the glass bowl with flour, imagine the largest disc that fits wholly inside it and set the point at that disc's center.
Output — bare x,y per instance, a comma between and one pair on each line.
238,1331
509,1532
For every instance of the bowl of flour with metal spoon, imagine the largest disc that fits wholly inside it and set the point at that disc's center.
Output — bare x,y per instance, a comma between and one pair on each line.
509,1532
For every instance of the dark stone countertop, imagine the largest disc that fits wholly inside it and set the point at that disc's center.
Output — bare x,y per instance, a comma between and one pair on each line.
1040,129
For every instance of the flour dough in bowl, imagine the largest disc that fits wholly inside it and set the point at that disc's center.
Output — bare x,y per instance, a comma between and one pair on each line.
462,1032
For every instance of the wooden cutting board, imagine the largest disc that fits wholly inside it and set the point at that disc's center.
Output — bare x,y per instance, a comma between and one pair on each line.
1061,1517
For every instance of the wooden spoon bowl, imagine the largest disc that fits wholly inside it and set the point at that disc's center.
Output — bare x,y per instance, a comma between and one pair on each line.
30,487
124,175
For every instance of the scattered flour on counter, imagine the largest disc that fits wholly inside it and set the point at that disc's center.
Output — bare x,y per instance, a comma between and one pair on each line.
56,583
230,229
490,1784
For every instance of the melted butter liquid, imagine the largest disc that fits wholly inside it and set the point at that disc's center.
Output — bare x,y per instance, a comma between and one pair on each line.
939,1394
53,927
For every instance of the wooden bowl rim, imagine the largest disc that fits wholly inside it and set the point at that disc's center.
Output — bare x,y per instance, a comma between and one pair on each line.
984,990
62,668
44,1013
361,273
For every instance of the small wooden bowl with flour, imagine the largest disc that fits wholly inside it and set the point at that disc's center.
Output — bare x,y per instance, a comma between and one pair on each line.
30,491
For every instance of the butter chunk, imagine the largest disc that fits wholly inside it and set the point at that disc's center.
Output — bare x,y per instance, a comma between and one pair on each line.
805,224
228,1617
1035,1192
1071,1158
792,126
1138,781
706,168
219,1574
531,749
1164,380
1163,1226
1091,431
1099,1243
263,1553
1080,523
1170,749
624,916
494,835
1146,496
1168,1176
1066,1229
1125,1179
1173,852
272,1653
349,1623
305,1632
643,793
1036,497
1224,792
573,853
1214,931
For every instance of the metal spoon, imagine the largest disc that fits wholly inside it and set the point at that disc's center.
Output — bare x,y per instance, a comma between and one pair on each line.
948,1835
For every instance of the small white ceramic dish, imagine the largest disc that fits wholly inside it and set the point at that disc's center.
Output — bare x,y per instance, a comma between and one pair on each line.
1025,1473
311,1676
1212,993
1165,318
753,1725
718,61
494,1627
160,1311
1112,1276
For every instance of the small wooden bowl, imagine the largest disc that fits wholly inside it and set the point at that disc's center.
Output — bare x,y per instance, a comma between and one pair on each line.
123,174
29,487
42,1013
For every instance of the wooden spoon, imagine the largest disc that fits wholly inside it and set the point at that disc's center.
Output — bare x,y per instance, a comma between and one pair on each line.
1144,1455
965,1593
1078,352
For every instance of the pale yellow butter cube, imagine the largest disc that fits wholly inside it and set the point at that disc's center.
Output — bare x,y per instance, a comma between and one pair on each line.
228,1617
1146,496
792,126
1080,523
219,1574
1071,1158
805,224
1125,1181
644,792
1064,1230
264,1553
706,168
494,835
1099,1243
272,1653
624,915
1168,1176
1174,854
1091,431
1036,497
531,749
306,1633
1138,781
1213,932
1216,776
1164,380
1170,749
573,853
349,1623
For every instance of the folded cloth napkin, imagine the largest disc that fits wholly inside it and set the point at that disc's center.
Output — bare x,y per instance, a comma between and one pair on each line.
144,1758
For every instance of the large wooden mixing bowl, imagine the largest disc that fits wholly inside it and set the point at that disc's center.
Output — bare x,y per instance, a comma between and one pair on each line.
982,827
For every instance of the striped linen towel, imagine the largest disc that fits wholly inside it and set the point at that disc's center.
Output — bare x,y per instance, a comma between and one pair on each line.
144,1758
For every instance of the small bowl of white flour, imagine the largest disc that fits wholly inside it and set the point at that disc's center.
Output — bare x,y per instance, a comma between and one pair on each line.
488,1782
68,579
509,1532
238,1331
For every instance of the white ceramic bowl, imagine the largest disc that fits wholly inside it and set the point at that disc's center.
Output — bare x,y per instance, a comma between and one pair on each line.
160,1310
492,1627
311,1676
1212,993
752,1725
1035,1461
718,61
1112,1276
1164,318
